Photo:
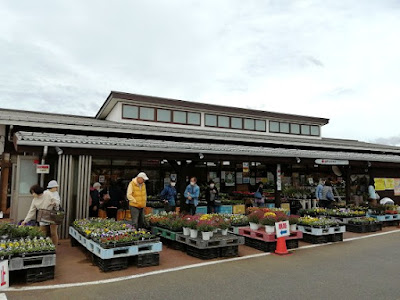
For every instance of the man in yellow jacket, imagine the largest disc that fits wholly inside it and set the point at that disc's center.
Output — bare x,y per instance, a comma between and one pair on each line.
137,198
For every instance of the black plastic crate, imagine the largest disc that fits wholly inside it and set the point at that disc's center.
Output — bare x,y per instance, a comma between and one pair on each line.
362,228
260,245
376,227
229,251
337,237
173,244
39,274
292,244
113,264
315,239
147,260
74,242
208,253
391,223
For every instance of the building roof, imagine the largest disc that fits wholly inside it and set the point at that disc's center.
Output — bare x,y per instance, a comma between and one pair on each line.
23,138
46,121
114,97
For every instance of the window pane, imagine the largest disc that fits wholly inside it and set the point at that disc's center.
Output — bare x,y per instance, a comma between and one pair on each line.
315,130
260,125
163,115
237,123
273,126
211,120
284,127
193,118
147,113
249,124
180,117
223,121
295,128
130,112
305,129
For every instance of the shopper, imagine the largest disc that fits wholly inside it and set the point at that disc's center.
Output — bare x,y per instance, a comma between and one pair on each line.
373,196
94,202
168,195
327,195
191,195
318,191
137,197
112,198
42,200
52,190
211,195
259,195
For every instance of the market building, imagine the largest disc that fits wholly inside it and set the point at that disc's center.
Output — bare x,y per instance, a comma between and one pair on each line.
235,147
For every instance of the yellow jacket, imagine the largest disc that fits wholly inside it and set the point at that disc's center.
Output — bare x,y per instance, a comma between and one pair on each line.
136,194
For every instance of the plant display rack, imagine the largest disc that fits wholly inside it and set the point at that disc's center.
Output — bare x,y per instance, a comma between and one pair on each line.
263,241
218,246
267,237
321,235
386,218
164,233
363,228
117,258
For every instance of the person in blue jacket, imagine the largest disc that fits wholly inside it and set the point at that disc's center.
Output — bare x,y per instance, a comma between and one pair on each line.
168,195
318,191
191,195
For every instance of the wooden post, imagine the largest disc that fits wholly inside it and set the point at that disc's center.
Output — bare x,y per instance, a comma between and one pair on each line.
5,171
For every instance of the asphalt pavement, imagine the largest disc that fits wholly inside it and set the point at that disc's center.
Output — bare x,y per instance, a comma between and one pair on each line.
361,269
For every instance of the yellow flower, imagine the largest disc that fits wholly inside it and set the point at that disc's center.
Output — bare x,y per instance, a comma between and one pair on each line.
269,214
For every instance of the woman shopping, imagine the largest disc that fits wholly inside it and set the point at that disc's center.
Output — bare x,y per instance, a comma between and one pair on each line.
42,200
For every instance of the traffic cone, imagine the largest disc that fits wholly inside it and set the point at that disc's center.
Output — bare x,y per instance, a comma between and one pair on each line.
281,247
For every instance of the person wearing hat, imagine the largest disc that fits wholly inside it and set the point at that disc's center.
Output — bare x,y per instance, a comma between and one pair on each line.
137,198
94,201
168,195
52,188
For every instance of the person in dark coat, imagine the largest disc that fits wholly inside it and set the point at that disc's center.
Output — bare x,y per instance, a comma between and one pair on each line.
168,195
211,195
112,198
94,203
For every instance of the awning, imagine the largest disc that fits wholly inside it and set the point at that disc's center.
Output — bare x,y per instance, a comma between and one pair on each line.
24,138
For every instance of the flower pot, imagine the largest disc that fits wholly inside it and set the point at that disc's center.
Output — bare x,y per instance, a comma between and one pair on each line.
186,231
293,227
269,229
193,233
205,235
211,233
215,230
224,231
254,226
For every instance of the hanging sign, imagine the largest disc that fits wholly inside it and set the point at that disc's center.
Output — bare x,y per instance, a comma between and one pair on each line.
42,169
278,177
397,186
389,184
5,283
282,229
331,162
380,184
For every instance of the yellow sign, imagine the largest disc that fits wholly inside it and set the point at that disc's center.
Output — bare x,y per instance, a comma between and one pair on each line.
380,184
389,183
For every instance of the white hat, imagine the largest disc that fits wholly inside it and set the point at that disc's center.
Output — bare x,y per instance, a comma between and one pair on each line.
52,184
96,184
143,175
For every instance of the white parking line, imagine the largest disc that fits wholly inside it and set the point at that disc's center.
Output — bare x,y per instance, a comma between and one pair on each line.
106,281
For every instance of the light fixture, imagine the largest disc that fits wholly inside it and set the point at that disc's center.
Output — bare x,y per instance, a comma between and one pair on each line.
188,161
369,164
201,155
178,162
59,150
298,160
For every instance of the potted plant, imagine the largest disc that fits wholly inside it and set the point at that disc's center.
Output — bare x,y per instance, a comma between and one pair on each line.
254,219
223,224
189,223
205,227
293,221
269,222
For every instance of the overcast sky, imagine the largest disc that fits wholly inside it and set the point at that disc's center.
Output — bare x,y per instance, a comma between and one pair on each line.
336,59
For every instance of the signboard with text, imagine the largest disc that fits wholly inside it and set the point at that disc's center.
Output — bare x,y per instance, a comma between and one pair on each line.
42,169
282,229
4,275
332,162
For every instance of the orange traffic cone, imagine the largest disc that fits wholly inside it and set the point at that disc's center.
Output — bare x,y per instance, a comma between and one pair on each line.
281,247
